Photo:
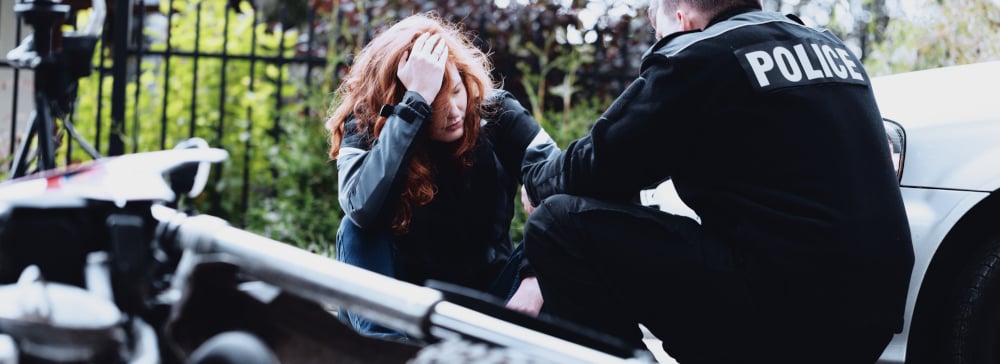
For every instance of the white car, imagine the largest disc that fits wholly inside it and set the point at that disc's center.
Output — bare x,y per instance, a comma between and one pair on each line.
944,128
948,120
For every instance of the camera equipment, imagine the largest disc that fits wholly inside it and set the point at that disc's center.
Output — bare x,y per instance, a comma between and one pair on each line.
58,60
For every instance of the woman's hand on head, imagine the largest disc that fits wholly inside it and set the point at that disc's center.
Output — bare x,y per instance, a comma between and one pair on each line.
422,68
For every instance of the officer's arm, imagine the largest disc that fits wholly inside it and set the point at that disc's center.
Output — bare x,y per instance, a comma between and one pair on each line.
516,136
366,176
631,147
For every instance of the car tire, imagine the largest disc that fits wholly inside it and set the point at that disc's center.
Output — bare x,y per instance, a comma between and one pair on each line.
974,329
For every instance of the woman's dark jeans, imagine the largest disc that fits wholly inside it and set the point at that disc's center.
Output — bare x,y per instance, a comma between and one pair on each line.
373,250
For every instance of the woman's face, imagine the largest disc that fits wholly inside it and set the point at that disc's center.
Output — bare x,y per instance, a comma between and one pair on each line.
451,127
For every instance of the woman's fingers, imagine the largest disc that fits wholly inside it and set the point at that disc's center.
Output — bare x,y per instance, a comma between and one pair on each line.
423,47
422,68
429,47
443,56
439,50
420,43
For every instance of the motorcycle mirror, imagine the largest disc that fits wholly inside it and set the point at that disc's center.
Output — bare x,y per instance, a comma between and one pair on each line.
190,178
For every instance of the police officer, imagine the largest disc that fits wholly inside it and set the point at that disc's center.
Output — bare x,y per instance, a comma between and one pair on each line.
770,132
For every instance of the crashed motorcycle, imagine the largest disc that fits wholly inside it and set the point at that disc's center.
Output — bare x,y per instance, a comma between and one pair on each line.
98,265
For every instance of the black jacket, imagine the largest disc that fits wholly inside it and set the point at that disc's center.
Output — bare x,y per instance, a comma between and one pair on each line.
462,236
770,132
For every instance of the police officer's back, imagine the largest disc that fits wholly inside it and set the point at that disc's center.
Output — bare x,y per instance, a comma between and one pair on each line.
771,133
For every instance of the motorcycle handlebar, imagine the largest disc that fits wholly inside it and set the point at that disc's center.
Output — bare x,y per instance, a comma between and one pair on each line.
419,311
399,304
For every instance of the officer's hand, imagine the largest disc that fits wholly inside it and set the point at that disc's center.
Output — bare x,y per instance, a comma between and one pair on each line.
422,68
528,298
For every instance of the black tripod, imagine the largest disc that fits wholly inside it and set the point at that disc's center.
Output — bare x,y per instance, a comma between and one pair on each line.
59,60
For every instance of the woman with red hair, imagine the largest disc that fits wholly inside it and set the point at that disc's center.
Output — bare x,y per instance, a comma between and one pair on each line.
429,155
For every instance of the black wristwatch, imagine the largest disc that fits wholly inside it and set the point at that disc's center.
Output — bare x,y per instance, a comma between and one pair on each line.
412,107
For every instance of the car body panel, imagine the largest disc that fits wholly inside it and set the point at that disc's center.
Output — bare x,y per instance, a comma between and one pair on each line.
916,98
962,156
951,158
950,117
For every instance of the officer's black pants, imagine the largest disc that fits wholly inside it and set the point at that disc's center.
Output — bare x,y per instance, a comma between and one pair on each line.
611,266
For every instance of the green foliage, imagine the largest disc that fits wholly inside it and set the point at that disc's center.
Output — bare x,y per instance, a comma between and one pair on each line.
535,83
233,104
551,57
304,209
949,32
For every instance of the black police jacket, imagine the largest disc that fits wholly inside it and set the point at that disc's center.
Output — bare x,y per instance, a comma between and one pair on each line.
770,132
462,236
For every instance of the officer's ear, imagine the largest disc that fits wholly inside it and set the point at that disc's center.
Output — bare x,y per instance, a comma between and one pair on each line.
690,18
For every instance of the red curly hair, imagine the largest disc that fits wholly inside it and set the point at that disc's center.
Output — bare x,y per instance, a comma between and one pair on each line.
371,82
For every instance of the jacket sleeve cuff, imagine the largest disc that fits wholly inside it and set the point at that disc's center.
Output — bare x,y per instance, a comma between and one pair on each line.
412,107
525,270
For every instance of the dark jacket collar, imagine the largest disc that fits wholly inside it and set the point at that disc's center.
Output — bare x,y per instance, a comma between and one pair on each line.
726,14
721,23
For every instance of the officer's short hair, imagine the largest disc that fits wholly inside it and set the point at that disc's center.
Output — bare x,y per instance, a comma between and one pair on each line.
710,7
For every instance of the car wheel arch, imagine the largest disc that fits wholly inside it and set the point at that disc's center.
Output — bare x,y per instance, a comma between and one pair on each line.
966,237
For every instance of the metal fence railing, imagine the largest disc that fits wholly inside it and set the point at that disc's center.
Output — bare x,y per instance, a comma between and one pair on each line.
144,43
11,80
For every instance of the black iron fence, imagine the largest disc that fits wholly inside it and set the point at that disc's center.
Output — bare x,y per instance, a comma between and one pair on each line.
12,81
146,74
